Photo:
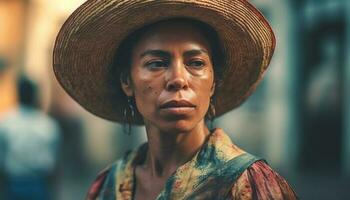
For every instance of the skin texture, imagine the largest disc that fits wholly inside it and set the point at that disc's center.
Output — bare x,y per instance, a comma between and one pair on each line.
170,63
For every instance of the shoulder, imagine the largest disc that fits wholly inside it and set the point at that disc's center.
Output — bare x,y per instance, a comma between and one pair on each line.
104,183
259,181
96,186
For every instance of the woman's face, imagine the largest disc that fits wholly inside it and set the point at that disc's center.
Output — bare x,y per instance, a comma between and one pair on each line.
172,77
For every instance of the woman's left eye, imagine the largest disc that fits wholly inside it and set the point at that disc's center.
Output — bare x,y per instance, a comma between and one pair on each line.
156,64
196,63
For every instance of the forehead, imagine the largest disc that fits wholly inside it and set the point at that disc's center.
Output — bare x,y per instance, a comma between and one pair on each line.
172,33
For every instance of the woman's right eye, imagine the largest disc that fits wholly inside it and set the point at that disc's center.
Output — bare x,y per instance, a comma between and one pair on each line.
154,64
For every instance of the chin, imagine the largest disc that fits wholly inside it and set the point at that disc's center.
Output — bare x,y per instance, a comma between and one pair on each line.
179,126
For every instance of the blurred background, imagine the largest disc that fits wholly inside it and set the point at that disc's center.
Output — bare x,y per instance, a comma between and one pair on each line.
298,119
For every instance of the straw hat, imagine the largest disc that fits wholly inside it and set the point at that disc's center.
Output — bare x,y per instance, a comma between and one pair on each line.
86,44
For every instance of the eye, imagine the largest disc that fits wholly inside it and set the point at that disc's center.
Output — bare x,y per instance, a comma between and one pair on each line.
196,63
154,64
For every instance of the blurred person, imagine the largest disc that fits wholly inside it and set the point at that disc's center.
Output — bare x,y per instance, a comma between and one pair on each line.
172,66
72,129
323,103
30,141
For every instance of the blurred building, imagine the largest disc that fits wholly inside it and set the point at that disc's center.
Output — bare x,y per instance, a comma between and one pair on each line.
298,119
11,47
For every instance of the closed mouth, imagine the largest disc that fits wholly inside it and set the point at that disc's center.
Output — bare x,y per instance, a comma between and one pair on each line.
177,104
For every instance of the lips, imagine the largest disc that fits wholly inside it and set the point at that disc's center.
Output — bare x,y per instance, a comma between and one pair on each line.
177,104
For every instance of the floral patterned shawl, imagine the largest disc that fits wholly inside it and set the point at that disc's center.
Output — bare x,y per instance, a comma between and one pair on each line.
217,171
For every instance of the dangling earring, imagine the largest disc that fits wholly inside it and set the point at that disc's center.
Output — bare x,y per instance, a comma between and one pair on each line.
128,115
211,114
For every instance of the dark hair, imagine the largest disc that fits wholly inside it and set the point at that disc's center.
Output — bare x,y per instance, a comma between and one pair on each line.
121,66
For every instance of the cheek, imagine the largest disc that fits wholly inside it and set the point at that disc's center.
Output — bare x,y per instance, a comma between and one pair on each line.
203,87
144,99
205,84
146,86
146,91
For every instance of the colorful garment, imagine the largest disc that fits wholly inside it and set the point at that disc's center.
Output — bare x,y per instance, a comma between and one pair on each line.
217,171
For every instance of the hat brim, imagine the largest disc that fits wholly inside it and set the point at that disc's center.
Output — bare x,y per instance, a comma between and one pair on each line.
86,44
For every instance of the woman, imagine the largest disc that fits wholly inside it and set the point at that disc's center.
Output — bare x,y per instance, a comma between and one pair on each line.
172,66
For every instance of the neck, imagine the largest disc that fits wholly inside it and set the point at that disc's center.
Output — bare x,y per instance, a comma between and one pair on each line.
167,151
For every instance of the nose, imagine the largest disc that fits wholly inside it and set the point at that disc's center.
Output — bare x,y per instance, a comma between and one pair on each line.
176,77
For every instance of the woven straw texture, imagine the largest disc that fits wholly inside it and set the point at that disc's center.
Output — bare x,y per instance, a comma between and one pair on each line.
86,44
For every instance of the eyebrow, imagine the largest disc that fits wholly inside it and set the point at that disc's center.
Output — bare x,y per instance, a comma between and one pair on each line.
195,52
157,53
161,53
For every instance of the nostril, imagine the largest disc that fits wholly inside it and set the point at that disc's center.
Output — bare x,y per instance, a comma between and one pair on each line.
171,87
177,84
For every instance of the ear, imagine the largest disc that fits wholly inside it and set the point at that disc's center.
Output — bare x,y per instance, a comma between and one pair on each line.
127,87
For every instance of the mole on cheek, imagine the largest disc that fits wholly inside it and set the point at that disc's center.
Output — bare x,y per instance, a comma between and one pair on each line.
147,90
